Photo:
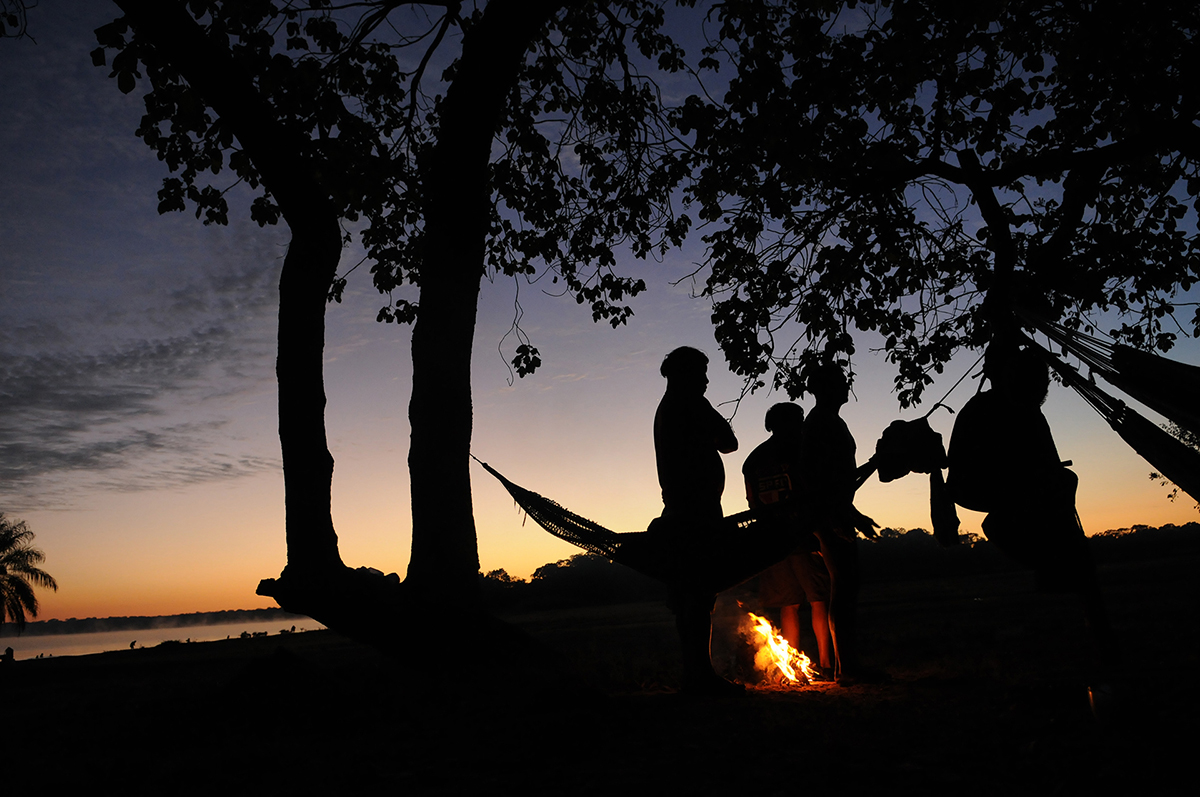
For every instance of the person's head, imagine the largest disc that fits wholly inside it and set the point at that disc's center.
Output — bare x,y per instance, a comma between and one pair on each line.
1019,374
686,367
827,382
784,419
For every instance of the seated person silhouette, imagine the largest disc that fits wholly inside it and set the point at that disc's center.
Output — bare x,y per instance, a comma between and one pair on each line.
830,476
1003,461
772,474
689,438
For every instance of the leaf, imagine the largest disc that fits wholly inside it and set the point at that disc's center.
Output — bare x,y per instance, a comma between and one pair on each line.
126,82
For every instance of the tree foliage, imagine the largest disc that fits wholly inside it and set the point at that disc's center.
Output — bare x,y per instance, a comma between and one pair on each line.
1188,438
885,166
584,161
583,165
14,19
19,573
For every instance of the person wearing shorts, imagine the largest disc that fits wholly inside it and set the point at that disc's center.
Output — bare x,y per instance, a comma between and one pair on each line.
772,475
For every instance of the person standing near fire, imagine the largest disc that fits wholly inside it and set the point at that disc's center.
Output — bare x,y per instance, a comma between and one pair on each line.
830,476
689,438
772,475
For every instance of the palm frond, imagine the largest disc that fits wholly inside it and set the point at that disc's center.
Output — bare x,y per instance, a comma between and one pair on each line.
18,560
19,600
19,572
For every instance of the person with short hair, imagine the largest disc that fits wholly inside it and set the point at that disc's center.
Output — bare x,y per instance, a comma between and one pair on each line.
1003,461
689,438
772,475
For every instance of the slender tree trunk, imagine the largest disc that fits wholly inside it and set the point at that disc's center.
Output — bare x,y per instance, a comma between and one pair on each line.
308,270
444,552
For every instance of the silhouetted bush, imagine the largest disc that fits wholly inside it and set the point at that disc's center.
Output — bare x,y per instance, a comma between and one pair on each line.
901,554
583,580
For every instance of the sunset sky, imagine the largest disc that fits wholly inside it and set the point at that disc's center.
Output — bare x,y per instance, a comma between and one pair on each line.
137,395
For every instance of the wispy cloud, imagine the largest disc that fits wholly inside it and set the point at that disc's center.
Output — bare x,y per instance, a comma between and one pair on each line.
136,389
133,347
139,414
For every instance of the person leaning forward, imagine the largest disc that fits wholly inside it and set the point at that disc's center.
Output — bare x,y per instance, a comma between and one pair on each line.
689,438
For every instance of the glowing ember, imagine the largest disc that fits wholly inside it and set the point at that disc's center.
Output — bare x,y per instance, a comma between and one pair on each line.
775,654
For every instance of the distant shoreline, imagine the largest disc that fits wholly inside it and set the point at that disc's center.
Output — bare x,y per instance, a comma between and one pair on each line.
92,625
592,580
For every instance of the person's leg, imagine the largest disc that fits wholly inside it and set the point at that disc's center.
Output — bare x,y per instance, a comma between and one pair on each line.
695,635
693,620
841,559
789,624
820,627
814,578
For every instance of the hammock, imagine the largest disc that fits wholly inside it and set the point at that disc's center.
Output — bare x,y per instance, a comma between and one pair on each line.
710,559
1172,458
1168,387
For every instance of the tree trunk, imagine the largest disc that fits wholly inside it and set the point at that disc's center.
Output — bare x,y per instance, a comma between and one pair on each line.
445,558
308,271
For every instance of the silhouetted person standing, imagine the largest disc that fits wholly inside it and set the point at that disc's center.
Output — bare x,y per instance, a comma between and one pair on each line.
689,438
1003,461
830,476
772,474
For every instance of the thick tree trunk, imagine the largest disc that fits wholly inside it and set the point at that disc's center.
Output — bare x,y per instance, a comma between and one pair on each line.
445,556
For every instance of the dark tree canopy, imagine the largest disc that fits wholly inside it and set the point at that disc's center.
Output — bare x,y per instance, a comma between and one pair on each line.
886,166
584,161
583,165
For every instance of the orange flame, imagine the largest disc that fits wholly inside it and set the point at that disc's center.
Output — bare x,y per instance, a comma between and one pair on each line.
774,653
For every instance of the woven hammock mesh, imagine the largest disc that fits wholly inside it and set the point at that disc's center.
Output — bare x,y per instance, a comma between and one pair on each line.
578,530
702,558
560,521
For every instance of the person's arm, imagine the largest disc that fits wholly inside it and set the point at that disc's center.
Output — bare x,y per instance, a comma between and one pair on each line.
863,523
723,436
751,493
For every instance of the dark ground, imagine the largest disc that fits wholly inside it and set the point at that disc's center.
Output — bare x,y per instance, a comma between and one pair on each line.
987,696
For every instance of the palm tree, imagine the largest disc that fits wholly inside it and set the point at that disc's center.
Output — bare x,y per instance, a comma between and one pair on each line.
19,572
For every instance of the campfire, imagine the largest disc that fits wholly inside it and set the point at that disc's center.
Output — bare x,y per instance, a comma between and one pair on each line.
780,663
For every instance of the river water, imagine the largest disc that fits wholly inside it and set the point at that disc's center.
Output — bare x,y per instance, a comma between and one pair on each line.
30,647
